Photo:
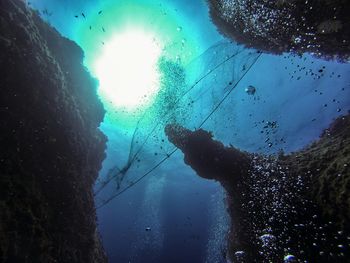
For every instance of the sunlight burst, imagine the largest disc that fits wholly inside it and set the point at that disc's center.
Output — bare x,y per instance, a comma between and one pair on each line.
128,69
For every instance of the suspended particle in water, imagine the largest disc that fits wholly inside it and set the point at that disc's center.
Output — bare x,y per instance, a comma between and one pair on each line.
290,259
250,90
240,255
267,240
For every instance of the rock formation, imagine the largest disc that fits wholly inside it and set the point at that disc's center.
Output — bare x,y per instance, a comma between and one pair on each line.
276,26
295,206
51,148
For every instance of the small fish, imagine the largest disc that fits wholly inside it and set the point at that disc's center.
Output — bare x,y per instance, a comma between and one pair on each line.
83,15
148,229
103,29
100,12
90,27
76,16
103,43
46,12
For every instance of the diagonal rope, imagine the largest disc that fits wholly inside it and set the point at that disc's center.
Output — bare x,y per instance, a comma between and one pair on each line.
132,158
105,202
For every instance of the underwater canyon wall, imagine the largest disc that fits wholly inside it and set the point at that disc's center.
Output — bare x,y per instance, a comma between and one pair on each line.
285,208
51,148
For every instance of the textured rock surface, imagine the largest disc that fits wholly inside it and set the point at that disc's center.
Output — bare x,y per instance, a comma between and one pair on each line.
276,26
326,164
289,204
51,149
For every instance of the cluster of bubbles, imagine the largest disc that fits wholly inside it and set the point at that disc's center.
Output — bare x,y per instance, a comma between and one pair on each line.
286,225
275,191
218,230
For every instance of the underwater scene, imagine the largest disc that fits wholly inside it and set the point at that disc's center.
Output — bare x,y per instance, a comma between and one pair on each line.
175,131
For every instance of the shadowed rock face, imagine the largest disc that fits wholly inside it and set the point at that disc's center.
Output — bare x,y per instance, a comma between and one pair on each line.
51,149
295,204
277,26
209,158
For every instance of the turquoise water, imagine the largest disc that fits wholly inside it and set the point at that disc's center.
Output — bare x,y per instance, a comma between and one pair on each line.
186,214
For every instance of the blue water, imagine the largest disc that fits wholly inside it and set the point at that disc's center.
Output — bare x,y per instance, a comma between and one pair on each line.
186,214
302,108
177,206
181,209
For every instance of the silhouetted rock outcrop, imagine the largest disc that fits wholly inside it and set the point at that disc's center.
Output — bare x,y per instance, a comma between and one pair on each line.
297,204
277,26
51,148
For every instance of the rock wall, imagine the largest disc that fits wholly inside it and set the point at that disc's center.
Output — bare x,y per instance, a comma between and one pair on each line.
295,205
276,26
51,148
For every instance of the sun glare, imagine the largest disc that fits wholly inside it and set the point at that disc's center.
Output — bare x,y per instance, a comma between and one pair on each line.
127,69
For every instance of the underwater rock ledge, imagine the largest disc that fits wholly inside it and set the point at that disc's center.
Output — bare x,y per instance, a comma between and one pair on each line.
276,26
295,205
51,148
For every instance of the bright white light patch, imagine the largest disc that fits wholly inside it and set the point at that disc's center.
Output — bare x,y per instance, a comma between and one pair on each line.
127,69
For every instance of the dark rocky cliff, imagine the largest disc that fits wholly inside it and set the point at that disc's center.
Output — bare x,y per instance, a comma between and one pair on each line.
51,148
297,204
276,26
